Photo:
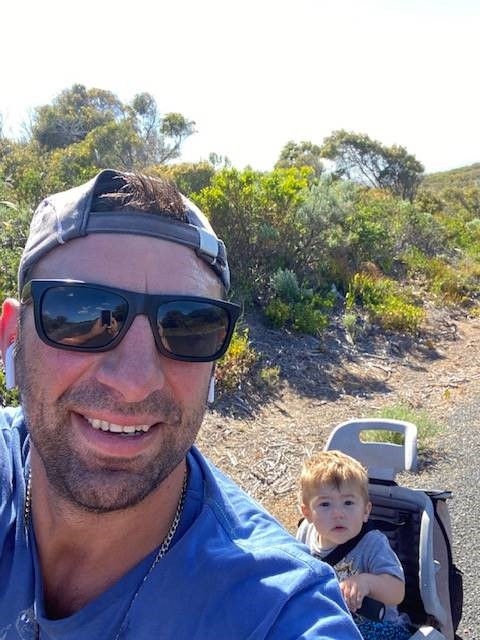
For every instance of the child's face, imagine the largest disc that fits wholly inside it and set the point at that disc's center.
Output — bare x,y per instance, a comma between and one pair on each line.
337,515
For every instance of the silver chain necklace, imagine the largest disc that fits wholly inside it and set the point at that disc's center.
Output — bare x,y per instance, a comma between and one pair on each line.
163,549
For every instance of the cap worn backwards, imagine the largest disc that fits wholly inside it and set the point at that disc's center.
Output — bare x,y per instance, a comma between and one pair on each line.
68,215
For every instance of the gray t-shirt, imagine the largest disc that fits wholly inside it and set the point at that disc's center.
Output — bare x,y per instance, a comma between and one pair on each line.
373,554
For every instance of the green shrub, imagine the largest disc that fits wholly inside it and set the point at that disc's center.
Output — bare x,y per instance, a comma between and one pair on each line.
457,285
285,285
278,312
386,304
350,322
190,177
309,314
236,363
255,214
415,261
452,284
367,291
422,231
473,226
270,376
398,315
14,224
306,318
296,306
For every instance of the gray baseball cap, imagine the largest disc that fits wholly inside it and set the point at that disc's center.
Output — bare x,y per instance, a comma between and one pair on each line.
68,215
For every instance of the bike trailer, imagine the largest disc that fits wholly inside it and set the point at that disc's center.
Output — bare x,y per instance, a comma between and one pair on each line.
417,524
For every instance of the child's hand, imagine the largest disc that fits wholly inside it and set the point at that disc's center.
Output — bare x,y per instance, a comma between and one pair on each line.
354,590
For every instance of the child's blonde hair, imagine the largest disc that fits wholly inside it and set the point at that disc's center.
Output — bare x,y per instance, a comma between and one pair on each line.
332,468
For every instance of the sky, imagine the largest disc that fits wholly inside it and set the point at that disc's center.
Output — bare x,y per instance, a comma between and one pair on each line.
256,74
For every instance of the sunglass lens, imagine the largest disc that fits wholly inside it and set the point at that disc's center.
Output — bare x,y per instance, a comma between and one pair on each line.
192,329
82,317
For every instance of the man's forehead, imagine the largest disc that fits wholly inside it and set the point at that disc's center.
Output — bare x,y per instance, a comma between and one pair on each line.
138,263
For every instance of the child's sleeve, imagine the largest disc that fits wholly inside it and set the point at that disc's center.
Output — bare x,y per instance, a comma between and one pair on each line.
380,557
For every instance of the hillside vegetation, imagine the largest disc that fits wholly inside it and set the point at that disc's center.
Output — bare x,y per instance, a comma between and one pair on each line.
367,241
461,178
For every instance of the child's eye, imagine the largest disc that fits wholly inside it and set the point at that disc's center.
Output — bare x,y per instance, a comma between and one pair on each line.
349,503
323,504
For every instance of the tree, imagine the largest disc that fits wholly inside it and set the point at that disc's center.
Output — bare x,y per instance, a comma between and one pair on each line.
174,128
218,161
73,114
162,137
133,135
359,158
301,154
24,167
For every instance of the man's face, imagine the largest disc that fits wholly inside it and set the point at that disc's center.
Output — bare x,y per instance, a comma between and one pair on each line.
75,403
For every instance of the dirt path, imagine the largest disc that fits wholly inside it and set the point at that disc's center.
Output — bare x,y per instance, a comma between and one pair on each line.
261,445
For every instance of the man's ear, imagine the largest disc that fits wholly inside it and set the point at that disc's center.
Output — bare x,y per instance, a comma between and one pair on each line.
8,324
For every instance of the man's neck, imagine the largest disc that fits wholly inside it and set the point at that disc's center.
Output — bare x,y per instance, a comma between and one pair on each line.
82,553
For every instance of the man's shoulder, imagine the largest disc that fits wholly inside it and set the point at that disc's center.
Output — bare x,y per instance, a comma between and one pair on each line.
260,581
10,416
13,431
12,457
246,527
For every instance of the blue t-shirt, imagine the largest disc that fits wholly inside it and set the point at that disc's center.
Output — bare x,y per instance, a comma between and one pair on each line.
232,572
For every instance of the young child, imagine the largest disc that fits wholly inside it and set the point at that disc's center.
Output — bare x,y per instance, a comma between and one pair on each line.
334,500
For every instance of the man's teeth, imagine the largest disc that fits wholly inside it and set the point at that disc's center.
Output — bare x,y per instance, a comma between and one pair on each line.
128,430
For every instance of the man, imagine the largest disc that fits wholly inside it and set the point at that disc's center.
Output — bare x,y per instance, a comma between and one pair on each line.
112,525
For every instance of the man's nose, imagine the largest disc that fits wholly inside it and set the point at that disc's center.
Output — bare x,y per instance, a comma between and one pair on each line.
135,368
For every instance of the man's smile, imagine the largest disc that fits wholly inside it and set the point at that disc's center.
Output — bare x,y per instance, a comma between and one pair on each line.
128,430
109,439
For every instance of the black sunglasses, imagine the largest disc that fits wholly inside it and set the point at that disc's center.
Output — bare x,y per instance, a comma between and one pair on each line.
79,316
